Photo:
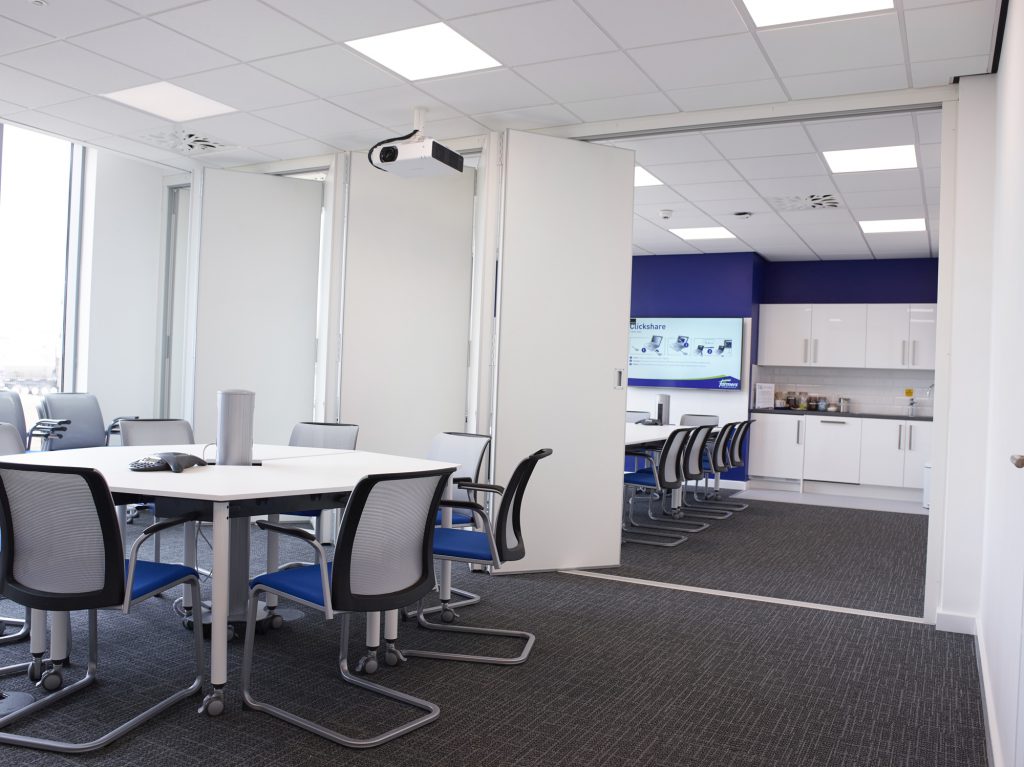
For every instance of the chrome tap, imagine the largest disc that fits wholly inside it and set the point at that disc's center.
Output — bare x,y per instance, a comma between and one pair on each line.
910,407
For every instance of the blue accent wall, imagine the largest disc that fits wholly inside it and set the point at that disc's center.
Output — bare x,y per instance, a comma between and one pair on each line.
704,285
891,281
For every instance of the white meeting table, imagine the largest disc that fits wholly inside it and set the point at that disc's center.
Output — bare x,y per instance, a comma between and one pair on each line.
289,478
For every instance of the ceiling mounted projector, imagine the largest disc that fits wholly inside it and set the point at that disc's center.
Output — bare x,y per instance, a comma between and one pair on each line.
420,156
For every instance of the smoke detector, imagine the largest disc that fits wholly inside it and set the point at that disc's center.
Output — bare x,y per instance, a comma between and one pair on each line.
184,141
804,202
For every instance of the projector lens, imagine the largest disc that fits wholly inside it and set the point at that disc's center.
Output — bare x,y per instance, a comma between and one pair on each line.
389,154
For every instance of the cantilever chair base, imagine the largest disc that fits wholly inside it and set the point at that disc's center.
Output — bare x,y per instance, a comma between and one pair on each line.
664,539
21,633
494,660
468,598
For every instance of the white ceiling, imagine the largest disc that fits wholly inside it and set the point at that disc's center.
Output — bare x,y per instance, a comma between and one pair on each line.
300,91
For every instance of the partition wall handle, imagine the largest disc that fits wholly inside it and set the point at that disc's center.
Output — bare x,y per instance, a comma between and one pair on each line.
1017,460
899,438
903,352
620,375
806,343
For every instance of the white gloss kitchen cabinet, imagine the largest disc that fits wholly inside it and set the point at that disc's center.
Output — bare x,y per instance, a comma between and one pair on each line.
901,336
832,449
821,335
776,446
893,453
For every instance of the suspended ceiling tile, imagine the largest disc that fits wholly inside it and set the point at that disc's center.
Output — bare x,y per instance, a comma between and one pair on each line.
828,46
395,105
724,246
725,190
680,147
343,20
846,82
838,218
699,63
232,158
650,22
15,36
450,9
146,7
718,208
641,252
783,166
762,141
107,116
454,127
908,4
622,107
655,195
681,214
878,181
656,239
827,242
838,254
146,152
931,195
951,31
7,108
900,245
925,73
62,18
695,172
294,149
244,88
889,212
318,119
329,71
493,90
56,125
528,118
530,33
781,253
929,126
929,155
152,48
243,129
30,91
862,132
604,75
245,29
887,198
728,95
796,186
69,65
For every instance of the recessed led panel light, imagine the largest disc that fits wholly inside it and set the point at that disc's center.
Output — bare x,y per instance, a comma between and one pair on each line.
875,158
768,13
643,177
892,225
170,102
704,233
421,52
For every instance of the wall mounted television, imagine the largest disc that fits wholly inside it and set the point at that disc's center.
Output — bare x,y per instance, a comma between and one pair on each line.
686,352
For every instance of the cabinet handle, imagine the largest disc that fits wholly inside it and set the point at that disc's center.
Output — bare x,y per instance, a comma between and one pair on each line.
806,341
910,436
913,352
841,423
899,438
815,349
903,352
798,432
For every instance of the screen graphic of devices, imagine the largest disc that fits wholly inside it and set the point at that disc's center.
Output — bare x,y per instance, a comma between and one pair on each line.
690,353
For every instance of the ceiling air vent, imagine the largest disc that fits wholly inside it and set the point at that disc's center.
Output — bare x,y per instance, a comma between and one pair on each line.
804,202
184,142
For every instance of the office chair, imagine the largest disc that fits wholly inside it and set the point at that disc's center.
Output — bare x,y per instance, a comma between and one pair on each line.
12,443
484,547
660,478
67,555
80,412
383,557
693,470
11,412
709,456
635,416
726,454
336,436
693,419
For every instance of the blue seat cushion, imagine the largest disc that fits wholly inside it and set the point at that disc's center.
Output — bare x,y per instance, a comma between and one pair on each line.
643,477
299,582
458,517
154,576
462,544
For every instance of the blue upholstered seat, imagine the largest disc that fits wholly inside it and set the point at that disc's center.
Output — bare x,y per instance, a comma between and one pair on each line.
458,518
643,477
300,582
463,544
152,576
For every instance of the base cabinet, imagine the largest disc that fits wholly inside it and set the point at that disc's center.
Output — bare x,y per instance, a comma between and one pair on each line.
893,453
832,452
776,446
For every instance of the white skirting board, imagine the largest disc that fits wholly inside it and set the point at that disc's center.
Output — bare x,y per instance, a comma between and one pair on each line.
987,704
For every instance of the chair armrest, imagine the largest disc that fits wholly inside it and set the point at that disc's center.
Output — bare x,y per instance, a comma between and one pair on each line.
473,506
133,557
321,556
482,486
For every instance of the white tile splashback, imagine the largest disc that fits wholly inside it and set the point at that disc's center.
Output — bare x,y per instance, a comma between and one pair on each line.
870,391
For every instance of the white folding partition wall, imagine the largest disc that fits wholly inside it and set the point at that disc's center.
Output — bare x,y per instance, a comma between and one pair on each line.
255,320
563,321
407,290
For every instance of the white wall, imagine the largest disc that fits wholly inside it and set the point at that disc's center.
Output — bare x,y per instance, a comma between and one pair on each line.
407,289
1002,558
121,308
727,405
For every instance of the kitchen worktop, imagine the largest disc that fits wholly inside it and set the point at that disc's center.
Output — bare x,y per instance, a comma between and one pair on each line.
787,411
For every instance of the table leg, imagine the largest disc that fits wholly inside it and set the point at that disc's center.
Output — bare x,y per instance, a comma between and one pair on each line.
213,704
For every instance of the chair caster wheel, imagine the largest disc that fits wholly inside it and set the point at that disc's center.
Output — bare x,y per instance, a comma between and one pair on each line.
51,681
213,704
368,664
276,621
393,656
448,615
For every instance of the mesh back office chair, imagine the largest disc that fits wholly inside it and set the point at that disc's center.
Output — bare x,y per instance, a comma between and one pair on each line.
66,554
661,476
692,467
12,413
696,419
635,416
12,443
85,426
335,436
383,558
489,546
720,461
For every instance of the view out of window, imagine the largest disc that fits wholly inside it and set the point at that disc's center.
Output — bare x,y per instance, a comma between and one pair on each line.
35,177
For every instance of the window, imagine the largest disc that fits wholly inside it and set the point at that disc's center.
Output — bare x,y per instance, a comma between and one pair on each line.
35,188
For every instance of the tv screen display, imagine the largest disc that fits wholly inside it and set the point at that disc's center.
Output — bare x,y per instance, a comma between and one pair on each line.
686,352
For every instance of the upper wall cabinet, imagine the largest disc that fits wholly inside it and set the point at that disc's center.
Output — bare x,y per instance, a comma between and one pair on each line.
901,336
823,335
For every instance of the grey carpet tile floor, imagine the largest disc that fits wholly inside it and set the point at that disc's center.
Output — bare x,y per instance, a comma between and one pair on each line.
857,558
620,675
